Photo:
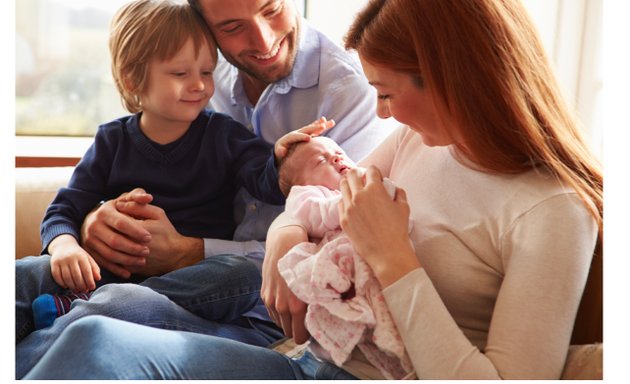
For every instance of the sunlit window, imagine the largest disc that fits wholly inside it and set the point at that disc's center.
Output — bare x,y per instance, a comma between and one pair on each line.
63,81
64,85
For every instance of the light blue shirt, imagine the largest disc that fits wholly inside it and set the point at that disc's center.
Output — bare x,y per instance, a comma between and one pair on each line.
325,81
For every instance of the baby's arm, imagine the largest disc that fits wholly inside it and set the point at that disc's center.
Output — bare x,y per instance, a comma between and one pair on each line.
315,207
71,266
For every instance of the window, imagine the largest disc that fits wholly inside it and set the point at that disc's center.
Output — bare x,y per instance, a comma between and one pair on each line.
571,31
63,84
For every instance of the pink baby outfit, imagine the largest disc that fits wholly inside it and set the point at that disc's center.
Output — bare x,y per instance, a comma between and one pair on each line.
345,306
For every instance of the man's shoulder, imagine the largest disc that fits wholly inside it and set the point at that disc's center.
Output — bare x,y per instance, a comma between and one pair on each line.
333,59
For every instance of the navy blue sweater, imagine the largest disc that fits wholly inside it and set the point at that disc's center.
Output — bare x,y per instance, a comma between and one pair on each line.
194,179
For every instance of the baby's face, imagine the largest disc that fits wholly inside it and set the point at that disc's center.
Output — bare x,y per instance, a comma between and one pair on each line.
321,162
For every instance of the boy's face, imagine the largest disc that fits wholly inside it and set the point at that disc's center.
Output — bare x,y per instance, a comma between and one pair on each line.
259,37
321,162
178,88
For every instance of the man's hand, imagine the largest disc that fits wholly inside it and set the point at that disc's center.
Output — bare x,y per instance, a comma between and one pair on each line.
286,310
169,250
116,240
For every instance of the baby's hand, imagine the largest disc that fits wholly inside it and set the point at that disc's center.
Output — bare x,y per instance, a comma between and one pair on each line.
71,266
305,133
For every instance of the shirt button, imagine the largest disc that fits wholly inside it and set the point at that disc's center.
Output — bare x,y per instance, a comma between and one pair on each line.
252,207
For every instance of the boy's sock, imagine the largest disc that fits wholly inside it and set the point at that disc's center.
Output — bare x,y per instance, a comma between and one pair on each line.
47,307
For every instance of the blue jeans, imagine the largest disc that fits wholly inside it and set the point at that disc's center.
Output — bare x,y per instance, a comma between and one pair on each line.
207,298
102,348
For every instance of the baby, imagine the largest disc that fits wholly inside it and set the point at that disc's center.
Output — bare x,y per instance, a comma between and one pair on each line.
345,306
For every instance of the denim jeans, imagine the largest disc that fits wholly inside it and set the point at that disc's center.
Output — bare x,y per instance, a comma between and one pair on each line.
104,348
207,298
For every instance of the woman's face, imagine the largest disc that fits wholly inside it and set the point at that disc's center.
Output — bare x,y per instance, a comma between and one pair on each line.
409,103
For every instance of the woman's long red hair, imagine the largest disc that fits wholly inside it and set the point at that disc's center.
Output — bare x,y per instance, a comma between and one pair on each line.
485,63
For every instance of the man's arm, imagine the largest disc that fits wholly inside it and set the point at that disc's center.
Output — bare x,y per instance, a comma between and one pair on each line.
169,250
128,235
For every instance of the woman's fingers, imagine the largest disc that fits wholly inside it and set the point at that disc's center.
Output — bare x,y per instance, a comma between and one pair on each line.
373,174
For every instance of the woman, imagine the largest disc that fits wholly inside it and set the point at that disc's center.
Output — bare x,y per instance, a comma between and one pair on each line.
504,196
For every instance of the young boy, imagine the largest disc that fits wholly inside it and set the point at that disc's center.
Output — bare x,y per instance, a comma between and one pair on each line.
191,160
346,309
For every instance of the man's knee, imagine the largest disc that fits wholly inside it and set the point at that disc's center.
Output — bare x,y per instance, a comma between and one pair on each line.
87,331
120,301
122,291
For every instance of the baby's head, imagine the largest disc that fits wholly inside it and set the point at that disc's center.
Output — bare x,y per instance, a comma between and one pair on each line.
319,161
146,30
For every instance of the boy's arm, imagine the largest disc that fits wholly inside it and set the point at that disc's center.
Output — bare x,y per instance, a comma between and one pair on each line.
86,188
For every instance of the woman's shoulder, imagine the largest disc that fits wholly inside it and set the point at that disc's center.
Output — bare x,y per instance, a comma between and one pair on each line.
539,185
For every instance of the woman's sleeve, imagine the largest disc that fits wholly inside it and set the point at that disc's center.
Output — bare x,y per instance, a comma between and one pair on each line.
546,254
382,157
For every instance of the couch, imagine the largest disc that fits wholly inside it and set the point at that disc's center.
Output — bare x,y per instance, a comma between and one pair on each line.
36,187
34,190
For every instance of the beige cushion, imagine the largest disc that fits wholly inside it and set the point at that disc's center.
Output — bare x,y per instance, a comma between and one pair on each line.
584,362
34,190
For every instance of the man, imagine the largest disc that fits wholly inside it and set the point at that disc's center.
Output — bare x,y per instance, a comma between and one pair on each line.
277,74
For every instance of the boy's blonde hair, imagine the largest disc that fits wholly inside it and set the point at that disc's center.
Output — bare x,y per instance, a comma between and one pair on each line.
143,30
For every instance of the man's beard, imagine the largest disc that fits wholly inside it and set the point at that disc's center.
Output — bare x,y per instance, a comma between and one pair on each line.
291,40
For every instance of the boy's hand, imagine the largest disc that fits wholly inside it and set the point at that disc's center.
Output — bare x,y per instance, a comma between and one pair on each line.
71,266
305,133
116,240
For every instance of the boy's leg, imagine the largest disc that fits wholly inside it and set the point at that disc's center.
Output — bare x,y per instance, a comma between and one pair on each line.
32,278
48,307
132,303
219,288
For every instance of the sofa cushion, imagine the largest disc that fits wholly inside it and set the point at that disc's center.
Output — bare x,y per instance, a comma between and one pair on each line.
584,362
34,190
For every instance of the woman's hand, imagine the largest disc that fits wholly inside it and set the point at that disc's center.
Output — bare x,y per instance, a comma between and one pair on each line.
305,133
377,225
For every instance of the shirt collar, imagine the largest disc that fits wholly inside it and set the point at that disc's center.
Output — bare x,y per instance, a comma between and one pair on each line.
305,72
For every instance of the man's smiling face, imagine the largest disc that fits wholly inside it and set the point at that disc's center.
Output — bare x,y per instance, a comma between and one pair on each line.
259,37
